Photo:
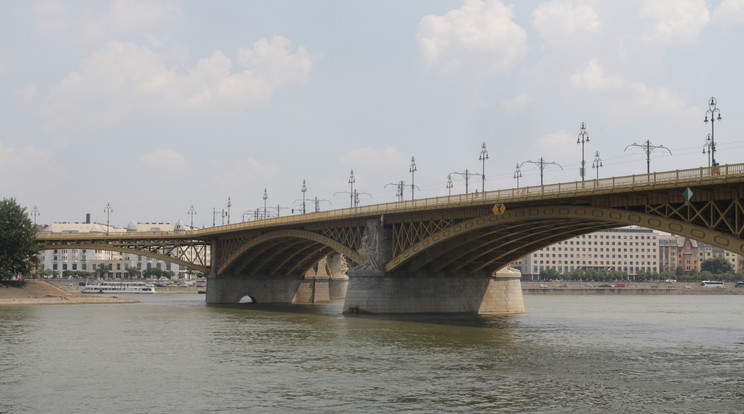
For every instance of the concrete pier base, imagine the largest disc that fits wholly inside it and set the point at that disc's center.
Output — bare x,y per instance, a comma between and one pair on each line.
460,293
297,290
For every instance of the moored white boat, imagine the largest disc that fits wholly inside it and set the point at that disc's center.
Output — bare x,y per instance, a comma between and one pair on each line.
118,287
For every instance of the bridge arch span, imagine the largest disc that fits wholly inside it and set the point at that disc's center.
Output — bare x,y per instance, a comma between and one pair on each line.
488,243
282,251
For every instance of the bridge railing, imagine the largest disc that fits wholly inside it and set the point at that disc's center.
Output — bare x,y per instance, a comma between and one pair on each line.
569,189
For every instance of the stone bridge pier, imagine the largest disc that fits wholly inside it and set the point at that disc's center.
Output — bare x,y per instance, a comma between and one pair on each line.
372,290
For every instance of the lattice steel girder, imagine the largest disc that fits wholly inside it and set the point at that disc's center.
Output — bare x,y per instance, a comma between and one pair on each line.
606,217
193,255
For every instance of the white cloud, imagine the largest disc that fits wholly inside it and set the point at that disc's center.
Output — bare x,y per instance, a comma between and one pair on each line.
625,98
164,158
479,37
557,144
28,93
92,23
516,104
594,78
36,164
675,21
122,79
371,159
729,12
562,19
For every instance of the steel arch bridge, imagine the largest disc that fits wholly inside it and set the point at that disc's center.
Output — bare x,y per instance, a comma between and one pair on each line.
471,233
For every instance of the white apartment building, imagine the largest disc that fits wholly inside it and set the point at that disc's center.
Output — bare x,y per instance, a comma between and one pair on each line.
627,249
59,260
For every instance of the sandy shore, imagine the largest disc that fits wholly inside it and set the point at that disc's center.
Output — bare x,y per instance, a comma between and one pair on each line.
36,292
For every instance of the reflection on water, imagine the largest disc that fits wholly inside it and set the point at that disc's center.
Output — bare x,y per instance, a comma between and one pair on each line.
172,353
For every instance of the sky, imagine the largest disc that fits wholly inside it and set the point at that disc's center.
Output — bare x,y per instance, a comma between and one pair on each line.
153,107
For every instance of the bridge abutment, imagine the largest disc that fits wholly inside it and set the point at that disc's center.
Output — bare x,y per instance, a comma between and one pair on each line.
451,293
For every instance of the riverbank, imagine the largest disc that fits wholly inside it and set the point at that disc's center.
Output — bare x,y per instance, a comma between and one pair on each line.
37,292
630,288
74,287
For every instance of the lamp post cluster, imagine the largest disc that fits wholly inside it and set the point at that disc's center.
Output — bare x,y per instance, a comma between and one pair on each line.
712,115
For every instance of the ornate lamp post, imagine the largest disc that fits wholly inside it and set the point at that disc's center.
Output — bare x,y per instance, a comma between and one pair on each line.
715,115
228,210
583,137
108,210
597,163
412,170
35,212
352,180
647,148
304,190
483,157
541,164
709,145
517,174
449,184
265,197
192,211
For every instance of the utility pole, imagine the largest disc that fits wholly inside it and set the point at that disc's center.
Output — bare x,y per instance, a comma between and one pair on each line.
648,148
542,164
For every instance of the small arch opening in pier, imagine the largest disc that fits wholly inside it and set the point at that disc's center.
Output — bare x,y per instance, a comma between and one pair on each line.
247,299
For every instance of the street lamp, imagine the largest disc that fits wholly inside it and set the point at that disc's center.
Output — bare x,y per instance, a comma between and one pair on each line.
541,164
108,210
412,170
465,174
192,211
228,210
352,180
583,137
449,184
709,144
35,212
304,190
715,115
517,174
597,163
647,148
483,157
265,197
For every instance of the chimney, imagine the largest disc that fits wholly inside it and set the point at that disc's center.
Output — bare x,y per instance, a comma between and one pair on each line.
87,218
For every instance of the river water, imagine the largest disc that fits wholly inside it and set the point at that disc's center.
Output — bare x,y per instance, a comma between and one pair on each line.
566,354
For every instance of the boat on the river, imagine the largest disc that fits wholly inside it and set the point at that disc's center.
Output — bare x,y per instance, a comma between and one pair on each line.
118,287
